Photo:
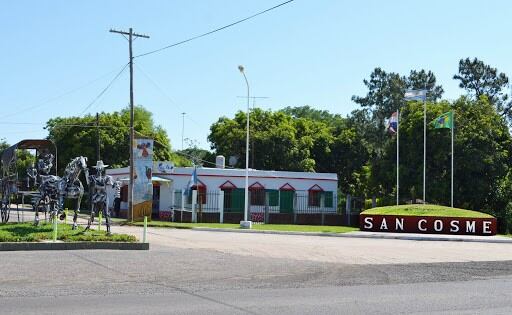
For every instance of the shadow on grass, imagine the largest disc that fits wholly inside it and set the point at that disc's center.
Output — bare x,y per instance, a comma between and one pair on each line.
22,230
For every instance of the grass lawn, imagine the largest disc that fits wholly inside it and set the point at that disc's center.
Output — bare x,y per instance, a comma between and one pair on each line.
27,232
426,210
263,227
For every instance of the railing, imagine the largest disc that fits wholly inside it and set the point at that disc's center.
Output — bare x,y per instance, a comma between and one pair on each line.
264,205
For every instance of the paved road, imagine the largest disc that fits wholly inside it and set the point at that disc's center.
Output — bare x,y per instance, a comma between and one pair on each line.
197,272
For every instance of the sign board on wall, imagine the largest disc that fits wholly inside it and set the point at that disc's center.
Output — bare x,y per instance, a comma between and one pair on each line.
428,225
164,167
142,185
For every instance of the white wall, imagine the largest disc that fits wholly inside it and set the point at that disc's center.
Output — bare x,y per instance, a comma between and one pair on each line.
213,178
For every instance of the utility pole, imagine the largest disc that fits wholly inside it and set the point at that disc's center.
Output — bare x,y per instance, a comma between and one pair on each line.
131,35
253,107
97,137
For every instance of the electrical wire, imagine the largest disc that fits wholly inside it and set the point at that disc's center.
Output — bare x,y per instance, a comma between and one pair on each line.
214,31
105,89
51,99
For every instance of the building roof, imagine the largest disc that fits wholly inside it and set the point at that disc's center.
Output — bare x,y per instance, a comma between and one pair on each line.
236,172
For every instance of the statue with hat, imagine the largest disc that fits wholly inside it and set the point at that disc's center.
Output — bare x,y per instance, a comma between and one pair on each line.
98,190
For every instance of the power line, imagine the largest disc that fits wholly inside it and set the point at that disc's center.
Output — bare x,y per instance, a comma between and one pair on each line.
50,99
105,89
215,30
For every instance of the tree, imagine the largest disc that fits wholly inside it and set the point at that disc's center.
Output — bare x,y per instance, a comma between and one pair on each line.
297,139
386,90
273,139
196,155
77,136
480,79
482,156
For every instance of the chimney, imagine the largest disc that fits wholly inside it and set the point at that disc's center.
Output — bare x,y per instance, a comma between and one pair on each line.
220,161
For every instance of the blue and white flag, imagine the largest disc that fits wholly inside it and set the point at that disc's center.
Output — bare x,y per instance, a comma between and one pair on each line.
392,126
192,182
415,95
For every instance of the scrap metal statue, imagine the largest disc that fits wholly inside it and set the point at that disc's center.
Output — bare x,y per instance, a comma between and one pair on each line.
99,199
54,190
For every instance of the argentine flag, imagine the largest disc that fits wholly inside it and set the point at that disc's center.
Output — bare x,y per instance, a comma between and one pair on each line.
192,182
415,95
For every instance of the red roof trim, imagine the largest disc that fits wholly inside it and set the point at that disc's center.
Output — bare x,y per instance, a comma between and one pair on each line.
199,184
287,187
227,185
256,185
315,188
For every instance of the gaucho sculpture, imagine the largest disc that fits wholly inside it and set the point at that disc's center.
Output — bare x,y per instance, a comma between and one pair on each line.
98,188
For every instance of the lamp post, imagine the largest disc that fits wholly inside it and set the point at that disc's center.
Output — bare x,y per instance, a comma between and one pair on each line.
246,224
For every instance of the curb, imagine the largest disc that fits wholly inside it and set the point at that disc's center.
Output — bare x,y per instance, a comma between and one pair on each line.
28,246
430,237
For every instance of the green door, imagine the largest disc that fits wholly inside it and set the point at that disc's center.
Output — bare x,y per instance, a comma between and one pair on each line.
237,200
286,201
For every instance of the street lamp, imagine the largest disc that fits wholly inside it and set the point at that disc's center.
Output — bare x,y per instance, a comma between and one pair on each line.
246,224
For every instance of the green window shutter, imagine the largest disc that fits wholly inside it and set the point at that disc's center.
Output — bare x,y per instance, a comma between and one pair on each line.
328,195
286,201
237,201
273,197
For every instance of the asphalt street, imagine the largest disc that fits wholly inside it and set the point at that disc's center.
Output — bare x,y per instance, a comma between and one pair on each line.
198,272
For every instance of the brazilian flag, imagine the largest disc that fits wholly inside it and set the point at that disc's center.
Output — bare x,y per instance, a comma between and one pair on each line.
444,121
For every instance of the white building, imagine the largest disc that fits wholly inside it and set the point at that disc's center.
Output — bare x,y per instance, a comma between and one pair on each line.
222,190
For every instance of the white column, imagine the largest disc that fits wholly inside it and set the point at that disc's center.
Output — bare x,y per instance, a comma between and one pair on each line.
221,206
194,204
183,200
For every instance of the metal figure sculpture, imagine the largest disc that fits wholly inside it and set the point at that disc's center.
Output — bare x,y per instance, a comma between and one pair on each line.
8,188
13,186
54,190
99,199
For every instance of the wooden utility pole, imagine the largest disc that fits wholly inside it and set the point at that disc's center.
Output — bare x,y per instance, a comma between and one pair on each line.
131,35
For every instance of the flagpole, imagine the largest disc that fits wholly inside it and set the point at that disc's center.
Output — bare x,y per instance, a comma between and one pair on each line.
424,141
453,127
397,156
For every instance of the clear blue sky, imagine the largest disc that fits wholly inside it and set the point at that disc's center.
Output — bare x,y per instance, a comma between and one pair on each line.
308,52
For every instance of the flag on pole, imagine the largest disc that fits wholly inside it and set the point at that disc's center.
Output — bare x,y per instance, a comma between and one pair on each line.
192,182
415,95
392,125
444,121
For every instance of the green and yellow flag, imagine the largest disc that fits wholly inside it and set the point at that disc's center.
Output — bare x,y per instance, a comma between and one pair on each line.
444,121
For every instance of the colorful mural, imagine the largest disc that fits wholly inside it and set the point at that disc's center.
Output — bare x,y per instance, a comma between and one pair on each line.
142,185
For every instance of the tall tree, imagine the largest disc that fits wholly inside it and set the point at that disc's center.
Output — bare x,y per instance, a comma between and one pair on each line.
273,139
77,136
479,79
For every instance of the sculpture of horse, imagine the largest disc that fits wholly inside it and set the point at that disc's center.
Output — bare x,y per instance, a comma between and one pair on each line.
54,190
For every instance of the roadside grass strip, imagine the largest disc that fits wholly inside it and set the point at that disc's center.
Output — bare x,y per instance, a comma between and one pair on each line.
27,232
426,210
261,227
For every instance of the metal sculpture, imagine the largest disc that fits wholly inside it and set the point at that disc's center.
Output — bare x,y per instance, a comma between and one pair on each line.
11,185
8,187
54,190
98,188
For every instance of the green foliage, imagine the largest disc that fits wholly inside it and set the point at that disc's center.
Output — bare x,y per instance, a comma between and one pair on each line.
278,141
195,155
296,139
27,232
480,79
76,136
426,210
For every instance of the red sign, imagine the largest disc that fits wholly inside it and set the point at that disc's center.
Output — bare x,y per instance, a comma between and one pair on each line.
427,225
